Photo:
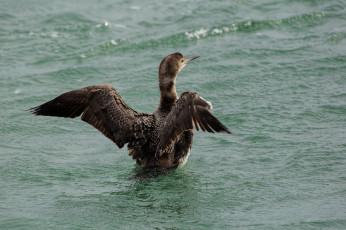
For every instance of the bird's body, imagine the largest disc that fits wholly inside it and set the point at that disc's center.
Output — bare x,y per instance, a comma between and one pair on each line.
160,139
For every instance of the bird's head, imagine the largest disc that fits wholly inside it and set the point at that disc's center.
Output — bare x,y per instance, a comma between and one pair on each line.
172,64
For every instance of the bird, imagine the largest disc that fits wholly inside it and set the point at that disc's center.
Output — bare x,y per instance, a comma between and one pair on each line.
161,139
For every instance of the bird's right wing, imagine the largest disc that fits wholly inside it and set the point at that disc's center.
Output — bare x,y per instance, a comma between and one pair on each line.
100,105
189,110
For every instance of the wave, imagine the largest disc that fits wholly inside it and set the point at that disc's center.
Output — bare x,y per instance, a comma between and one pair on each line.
183,38
243,26
256,25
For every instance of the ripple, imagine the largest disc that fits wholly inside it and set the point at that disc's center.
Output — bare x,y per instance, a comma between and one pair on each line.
334,109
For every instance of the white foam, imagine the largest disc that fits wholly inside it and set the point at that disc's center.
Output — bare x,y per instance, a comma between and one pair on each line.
225,28
234,27
216,31
104,24
197,34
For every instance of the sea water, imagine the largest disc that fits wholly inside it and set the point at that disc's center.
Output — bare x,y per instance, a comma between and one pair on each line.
275,72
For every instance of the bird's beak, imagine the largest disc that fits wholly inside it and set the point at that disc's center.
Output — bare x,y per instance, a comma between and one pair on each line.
191,58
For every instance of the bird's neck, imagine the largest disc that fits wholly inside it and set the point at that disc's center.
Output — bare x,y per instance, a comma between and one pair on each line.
168,94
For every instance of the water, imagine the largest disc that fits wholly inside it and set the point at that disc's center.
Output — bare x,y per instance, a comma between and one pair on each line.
275,72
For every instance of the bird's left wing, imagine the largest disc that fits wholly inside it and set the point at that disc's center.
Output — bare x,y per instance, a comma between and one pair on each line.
189,110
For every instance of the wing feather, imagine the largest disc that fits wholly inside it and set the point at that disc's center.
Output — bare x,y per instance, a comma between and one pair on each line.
100,106
190,110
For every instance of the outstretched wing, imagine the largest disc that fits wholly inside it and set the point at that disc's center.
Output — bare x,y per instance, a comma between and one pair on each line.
101,106
189,110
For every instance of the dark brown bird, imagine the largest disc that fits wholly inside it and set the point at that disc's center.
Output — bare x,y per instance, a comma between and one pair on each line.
162,138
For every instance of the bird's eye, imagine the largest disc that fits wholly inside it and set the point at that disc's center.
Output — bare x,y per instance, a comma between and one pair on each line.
182,60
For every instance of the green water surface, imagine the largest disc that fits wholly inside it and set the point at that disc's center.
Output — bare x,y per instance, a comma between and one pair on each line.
275,72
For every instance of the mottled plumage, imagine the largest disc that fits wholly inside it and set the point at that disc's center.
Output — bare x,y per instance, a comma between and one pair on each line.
162,138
